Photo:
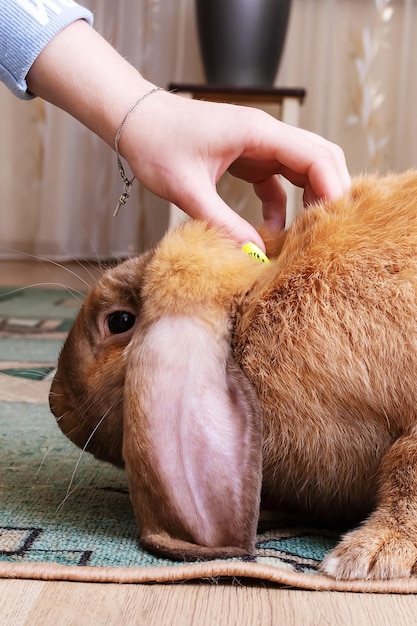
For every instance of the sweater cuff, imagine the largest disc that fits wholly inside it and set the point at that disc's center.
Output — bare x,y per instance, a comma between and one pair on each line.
26,27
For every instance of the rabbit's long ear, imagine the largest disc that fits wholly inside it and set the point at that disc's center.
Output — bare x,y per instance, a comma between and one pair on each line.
192,441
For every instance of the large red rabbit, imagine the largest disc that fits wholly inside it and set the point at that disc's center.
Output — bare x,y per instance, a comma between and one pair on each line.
223,385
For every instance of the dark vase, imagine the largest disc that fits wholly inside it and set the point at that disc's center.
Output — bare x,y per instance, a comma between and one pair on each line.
241,41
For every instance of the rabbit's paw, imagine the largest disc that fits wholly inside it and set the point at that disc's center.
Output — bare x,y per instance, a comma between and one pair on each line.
376,553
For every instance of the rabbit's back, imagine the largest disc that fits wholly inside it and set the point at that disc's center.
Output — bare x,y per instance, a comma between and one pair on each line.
329,340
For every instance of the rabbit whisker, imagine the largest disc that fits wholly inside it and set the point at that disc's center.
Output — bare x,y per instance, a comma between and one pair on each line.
67,495
44,459
26,382
61,417
50,261
82,453
75,293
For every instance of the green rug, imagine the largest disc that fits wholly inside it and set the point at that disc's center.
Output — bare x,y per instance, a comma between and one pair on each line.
67,516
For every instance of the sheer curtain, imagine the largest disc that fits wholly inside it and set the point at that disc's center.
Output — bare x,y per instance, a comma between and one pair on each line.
357,58
59,183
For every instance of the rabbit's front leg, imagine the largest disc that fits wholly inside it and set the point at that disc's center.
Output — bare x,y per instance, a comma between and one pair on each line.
385,545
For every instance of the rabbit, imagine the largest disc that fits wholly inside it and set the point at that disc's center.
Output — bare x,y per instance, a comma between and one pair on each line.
224,386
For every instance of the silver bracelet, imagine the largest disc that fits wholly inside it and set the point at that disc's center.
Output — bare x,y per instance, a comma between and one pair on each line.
127,184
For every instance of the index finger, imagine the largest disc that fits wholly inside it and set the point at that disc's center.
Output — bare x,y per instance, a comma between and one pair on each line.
324,162
304,158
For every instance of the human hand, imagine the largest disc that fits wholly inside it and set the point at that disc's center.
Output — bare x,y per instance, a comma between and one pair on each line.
180,148
186,146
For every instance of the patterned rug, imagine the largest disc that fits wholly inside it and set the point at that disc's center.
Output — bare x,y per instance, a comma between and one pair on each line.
67,516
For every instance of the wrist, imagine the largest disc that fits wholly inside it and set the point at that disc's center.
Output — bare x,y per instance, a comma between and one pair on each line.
99,93
127,182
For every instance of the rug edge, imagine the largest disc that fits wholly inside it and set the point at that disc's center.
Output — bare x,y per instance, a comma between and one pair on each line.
202,571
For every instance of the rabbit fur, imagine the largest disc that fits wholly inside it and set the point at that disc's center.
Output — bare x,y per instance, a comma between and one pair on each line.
227,385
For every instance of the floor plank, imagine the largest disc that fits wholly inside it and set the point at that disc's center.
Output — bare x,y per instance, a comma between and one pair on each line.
17,598
32,603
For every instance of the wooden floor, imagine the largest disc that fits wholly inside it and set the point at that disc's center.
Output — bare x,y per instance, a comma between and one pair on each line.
33,603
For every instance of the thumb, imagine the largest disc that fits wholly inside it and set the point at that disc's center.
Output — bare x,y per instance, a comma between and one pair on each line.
209,206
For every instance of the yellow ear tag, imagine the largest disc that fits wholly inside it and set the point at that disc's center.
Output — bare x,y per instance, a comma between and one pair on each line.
256,253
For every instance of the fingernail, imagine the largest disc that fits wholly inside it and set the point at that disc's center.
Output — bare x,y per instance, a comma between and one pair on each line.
255,252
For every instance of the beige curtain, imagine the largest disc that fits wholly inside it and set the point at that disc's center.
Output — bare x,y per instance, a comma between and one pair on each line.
59,183
357,58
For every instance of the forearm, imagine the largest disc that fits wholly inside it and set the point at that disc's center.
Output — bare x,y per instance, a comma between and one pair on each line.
26,27
61,76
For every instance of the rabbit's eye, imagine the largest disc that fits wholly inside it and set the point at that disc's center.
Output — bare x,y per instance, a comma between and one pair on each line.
120,322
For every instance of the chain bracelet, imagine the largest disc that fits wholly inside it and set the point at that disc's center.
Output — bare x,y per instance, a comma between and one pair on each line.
127,183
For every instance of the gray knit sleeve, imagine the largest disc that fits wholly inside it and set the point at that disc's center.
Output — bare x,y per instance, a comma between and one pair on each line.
26,27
